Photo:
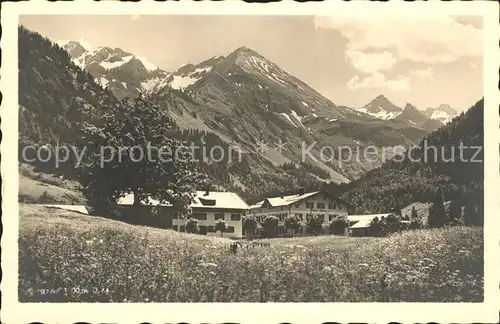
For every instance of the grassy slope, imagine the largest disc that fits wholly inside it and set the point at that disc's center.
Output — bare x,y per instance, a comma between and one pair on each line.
113,261
39,187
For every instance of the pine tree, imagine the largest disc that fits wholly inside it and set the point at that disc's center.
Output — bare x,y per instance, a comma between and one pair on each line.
437,213
471,215
415,219
455,211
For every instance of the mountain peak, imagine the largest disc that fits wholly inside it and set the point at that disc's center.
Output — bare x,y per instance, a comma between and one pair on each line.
409,106
381,107
443,113
447,108
244,49
74,48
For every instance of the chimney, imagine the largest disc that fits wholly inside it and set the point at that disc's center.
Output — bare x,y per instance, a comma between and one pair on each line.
301,191
281,194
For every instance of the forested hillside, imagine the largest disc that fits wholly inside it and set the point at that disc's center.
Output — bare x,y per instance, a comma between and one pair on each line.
396,184
57,99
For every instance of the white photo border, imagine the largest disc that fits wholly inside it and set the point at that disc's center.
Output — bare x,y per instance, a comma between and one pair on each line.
16,312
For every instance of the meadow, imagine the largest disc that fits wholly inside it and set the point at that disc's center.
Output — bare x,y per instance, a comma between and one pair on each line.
65,256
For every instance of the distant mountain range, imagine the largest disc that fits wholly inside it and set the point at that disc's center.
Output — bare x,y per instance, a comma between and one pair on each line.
430,119
444,113
241,98
396,184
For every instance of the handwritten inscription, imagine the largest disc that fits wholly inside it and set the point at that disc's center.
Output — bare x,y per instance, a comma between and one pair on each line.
67,291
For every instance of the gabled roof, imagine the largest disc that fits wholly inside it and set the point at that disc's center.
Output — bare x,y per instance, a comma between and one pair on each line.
291,199
219,199
214,199
362,223
288,200
256,205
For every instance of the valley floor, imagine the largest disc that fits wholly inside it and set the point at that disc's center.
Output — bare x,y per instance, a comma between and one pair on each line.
66,256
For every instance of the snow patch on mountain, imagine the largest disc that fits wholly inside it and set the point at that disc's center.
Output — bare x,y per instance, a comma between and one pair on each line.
154,83
288,118
112,65
441,116
186,79
444,113
298,118
381,113
103,81
182,82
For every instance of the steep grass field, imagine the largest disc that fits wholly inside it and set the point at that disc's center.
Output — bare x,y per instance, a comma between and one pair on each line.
66,256
39,187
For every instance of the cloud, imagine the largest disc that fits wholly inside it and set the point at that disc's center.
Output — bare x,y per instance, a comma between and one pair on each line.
473,65
135,17
425,75
400,84
370,62
429,39
378,80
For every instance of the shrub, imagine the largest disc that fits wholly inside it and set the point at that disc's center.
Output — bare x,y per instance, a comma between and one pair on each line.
292,223
220,225
192,225
249,225
385,225
315,224
270,226
339,224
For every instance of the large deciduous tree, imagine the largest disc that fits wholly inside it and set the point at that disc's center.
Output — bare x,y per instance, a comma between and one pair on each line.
132,150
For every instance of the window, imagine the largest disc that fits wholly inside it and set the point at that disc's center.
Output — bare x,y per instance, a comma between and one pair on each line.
230,229
309,205
235,217
219,216
330,217
200,216
211,229
332,205
299,216
175,215
320,205
202,230
181,228
175,227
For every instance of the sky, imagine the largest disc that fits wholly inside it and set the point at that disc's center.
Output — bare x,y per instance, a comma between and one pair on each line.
426,62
